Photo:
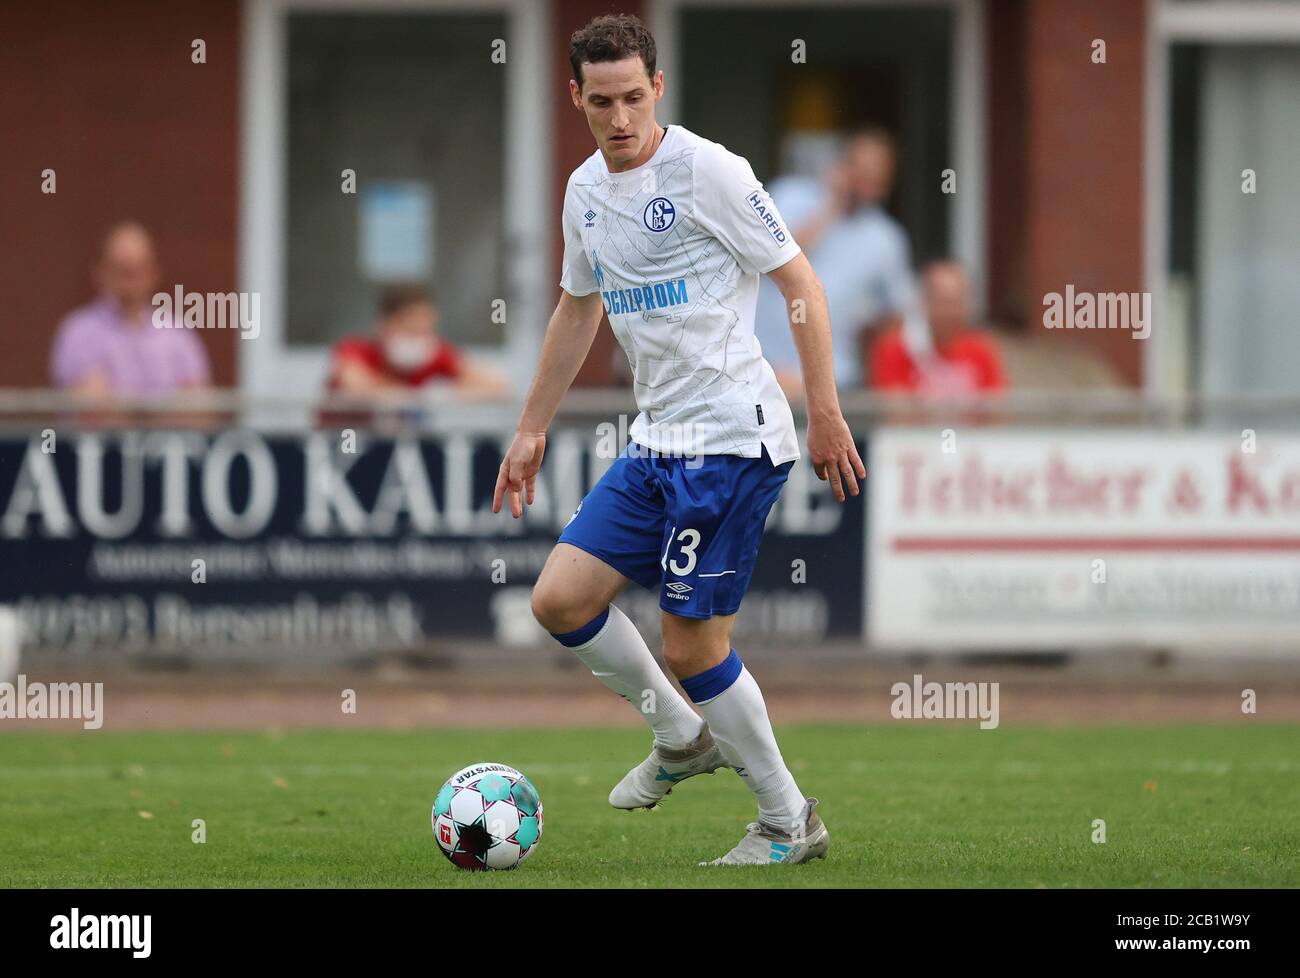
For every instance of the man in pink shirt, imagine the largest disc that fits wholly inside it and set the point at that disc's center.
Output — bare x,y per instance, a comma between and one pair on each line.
112,347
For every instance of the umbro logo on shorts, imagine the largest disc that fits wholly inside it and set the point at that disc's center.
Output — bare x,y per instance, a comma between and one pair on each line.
679,587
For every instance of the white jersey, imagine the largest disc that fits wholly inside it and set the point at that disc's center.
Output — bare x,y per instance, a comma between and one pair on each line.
675,247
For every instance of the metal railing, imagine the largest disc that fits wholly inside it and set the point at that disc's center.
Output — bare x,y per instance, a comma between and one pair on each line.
447,409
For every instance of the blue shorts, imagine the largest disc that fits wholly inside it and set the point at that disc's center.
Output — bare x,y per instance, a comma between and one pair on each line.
686,527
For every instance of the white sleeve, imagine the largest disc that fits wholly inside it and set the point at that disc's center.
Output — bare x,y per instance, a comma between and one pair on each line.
576,276
731,204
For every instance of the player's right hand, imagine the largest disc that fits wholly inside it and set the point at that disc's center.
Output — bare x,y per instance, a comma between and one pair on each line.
518,473
834,455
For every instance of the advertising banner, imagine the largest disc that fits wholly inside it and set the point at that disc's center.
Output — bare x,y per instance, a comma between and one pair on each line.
1055,539
241,543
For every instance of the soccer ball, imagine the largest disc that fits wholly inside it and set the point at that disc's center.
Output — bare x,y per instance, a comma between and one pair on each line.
487,816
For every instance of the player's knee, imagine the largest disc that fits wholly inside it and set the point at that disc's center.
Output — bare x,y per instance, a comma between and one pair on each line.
690,655
691,647
678,658
545,608
556,611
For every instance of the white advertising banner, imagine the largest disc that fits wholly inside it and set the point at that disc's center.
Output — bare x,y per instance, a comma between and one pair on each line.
1057,539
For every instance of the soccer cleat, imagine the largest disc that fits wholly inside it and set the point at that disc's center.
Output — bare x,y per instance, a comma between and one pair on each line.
766,846
646,784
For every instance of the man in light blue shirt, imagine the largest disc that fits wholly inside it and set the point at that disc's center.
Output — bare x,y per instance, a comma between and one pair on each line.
860,253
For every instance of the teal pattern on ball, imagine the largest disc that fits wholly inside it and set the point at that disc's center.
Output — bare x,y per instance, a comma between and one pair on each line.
525,796
527,834
442,804
493,787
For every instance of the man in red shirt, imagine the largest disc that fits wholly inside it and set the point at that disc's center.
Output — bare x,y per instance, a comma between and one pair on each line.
964,360
406,352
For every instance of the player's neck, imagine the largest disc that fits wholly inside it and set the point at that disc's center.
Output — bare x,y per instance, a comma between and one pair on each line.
655,142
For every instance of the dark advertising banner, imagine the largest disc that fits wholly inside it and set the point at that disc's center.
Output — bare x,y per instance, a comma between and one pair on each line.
240,544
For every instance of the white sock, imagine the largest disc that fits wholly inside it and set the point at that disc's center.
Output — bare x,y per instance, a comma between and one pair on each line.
738,719
618,656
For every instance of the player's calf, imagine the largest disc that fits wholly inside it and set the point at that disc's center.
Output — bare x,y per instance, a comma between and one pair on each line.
572,601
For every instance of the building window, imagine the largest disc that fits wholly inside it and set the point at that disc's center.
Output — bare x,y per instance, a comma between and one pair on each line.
384,95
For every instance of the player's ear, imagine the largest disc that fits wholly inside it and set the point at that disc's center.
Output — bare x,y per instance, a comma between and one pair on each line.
575,93
658,84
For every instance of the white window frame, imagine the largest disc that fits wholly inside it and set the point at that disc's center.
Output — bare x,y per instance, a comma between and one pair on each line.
967,119
1173,22
267,365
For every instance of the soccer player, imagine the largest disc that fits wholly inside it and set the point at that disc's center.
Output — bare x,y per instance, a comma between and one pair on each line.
668,232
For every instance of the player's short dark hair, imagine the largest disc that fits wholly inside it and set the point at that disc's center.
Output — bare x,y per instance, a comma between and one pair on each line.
396,298
612,37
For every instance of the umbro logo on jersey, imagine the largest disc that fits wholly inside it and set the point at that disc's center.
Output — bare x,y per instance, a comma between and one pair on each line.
679,587
590,218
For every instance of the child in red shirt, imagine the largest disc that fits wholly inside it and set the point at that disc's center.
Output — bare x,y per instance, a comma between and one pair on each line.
964,359
405,352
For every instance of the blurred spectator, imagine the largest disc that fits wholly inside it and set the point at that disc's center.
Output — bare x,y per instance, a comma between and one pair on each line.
406,352
112,346
860,253
964,359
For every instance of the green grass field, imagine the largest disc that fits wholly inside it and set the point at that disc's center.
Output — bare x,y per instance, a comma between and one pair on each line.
907,805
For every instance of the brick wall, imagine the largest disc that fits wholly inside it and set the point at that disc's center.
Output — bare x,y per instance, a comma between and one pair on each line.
105,94
1083,148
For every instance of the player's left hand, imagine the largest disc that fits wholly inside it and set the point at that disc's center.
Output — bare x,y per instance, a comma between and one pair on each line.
834,456
517,476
